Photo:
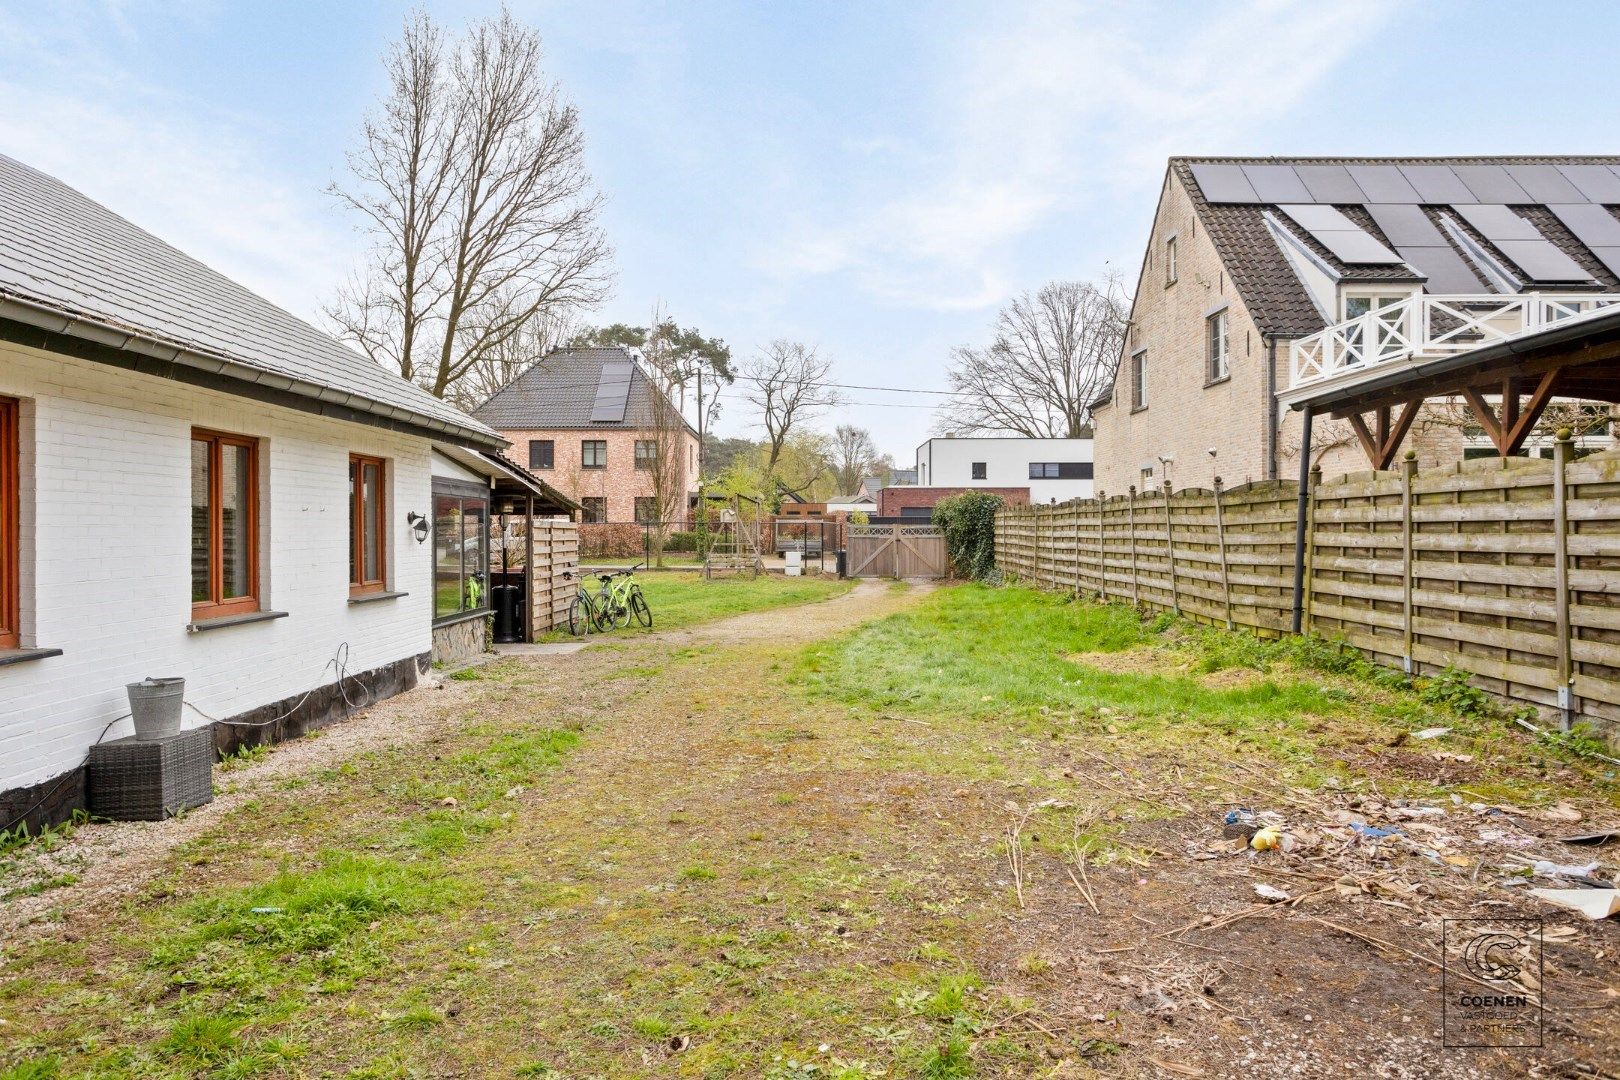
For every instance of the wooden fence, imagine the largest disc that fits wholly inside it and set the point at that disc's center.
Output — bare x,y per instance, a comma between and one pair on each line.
1507,570
554,552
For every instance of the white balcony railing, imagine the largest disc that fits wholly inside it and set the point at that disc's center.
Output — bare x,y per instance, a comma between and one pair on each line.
1428,327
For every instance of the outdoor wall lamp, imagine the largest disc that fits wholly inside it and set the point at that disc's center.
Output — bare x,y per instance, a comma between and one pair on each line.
419,526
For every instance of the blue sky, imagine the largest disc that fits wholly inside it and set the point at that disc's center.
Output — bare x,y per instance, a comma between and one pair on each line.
872,178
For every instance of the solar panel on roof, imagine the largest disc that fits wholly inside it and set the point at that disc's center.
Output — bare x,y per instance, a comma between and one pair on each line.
1542,260
1437,183
612,392
1498,222
1405,224
1384,184
1276,183
1446,271
1224,184
1592,225
1491,184
1596,182
1314,216
1545,184
1329,184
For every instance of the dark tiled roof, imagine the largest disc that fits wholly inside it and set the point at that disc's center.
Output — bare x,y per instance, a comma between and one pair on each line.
60,252
560,391
1272,291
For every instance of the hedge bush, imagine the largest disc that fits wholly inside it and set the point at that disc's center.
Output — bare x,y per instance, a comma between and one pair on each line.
969,523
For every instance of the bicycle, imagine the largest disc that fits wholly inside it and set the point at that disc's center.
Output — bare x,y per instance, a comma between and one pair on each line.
583,614
620,599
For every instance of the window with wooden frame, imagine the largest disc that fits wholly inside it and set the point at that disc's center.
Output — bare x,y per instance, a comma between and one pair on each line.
10,540
224,525
1139,377
542,453
646,453
593,453
368,525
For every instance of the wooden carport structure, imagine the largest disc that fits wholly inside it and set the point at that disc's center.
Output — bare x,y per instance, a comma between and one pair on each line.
1575,359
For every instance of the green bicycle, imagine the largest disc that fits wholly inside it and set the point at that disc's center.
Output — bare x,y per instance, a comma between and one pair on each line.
620,599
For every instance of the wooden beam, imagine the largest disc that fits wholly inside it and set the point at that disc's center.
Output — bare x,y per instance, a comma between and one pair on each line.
1485,415
1523,423
1403,424
1382,446
1368,443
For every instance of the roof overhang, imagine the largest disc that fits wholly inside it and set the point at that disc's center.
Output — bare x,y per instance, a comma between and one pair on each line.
510,479
34,325
1586,351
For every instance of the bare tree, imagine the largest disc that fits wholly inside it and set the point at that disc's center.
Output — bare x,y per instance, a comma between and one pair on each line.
1055,352
471,180
854,456
787,383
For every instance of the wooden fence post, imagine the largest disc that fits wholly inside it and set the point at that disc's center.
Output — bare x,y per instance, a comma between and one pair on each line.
1170,553
1220,540
1075,510
1408,471
1130,526
1102,547
1562,452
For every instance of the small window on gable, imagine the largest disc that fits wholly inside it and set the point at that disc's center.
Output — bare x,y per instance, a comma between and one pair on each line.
1170,261
1139,377
1216,347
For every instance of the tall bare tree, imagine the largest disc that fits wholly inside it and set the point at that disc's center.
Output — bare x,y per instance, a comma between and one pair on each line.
854,456
511,356
471,180
788,383
1055,352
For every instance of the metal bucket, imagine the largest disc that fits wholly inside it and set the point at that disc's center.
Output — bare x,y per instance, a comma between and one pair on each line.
154,705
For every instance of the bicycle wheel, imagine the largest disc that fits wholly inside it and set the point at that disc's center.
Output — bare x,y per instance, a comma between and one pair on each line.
604,612
639,608
621,612
580,616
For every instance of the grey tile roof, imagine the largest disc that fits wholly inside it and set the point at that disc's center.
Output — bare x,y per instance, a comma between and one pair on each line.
1236,218
61,252
559,392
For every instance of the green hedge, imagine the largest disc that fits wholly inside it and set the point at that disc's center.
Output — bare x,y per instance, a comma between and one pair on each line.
969,523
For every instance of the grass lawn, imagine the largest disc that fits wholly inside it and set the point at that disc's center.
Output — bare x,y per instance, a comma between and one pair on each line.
678,598
783,848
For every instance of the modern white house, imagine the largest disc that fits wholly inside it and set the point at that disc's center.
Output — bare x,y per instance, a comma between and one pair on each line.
195,483
1054,470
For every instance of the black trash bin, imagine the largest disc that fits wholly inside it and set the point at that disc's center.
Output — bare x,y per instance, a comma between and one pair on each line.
843,562
508,623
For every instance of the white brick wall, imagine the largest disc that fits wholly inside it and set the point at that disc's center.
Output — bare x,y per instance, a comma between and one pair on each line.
105,477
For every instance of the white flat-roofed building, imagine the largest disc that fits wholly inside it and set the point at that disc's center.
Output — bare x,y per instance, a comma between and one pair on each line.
1054,470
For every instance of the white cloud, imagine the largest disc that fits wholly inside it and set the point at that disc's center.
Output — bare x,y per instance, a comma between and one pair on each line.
1066,106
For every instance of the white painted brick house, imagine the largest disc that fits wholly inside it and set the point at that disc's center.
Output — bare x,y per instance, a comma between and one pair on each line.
175,499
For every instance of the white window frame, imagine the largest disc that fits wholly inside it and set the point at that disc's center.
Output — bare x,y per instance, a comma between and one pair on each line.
1218,360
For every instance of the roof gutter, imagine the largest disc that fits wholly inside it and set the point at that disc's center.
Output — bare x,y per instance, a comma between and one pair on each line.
120,347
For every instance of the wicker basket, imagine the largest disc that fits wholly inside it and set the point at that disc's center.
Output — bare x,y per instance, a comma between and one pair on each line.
134,779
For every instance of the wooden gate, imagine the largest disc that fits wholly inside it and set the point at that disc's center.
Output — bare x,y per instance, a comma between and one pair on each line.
897,551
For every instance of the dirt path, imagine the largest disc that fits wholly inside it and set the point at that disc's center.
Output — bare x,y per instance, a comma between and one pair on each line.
109,862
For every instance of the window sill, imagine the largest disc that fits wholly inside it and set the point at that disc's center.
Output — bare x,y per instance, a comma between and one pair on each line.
1216,382
373,597
465,616
23,656
202,626
1138,408
593,468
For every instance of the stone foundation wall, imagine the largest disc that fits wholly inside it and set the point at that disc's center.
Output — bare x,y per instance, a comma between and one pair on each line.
456,643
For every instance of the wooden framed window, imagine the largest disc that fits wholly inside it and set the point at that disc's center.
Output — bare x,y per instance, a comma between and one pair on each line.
10,539
593,453
646,510
594,509
646,453
1139,377
224,524
542,453
368,524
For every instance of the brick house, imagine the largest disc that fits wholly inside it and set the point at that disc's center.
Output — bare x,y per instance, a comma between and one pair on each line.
1247,257
586,421
913,501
